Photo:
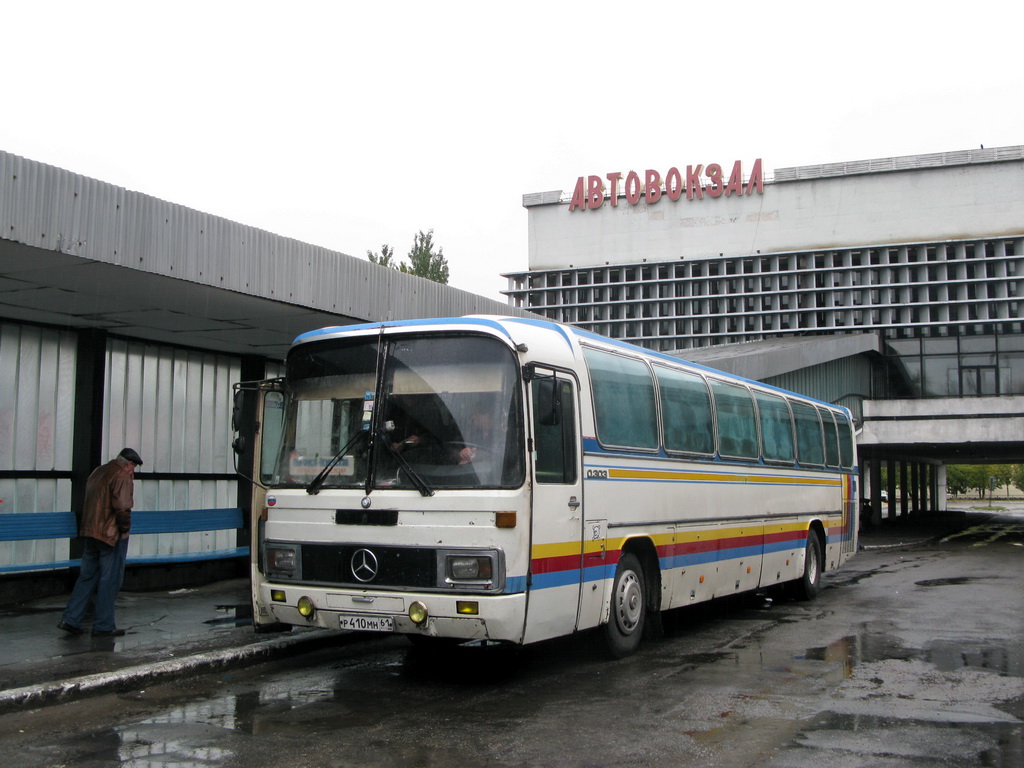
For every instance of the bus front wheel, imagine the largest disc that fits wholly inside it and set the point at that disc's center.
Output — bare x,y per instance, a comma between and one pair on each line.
807,586
625,626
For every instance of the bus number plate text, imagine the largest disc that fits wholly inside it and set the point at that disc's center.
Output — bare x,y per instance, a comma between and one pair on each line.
360,623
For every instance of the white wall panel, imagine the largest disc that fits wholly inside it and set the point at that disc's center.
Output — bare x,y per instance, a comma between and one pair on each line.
172,405
37,368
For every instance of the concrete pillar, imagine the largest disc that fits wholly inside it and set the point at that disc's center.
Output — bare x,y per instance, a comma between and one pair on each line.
940,487
890,486
904,489
87,442
875,470
915,484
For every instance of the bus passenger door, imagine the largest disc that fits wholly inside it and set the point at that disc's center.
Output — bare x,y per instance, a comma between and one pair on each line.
557,516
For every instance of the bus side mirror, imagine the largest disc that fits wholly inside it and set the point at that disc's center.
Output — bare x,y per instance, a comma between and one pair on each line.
238,445
549,402
236,413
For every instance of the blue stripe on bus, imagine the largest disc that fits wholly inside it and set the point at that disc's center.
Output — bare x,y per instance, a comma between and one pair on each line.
486,322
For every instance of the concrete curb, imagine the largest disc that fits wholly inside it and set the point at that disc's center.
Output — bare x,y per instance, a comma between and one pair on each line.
62,691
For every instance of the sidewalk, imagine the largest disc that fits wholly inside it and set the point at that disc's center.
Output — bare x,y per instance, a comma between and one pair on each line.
191,631
167,634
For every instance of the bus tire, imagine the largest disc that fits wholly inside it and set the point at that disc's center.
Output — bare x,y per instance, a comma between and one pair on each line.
808,585
628,611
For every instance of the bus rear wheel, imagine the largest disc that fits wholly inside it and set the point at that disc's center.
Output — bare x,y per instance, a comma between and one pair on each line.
807,586
625,626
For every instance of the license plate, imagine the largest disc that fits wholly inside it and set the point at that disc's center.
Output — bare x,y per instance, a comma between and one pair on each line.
366,623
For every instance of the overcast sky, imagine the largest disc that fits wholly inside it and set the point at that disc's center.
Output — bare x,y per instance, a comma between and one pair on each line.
352,125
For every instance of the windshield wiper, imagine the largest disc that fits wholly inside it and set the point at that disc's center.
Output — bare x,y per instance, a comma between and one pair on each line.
419,482
314,487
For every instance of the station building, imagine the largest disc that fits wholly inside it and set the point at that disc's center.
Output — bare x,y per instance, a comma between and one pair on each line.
891,286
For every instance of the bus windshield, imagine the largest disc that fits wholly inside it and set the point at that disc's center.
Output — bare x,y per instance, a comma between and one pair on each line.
423,412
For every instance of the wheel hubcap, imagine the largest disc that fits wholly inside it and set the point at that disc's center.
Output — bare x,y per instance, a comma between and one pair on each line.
629,605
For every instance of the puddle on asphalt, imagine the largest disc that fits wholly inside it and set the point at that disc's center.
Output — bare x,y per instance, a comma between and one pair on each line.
239,615
953,581
898,741
1001,657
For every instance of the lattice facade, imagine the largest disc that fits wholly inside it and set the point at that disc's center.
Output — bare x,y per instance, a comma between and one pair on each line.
969,288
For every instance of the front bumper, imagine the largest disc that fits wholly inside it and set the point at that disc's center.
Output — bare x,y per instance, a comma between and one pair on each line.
499,618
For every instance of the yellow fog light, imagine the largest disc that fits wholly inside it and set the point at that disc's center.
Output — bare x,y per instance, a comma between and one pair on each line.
305,606
467,607
277,595
418,612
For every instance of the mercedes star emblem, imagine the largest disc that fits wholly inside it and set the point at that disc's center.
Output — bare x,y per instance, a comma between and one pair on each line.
364,565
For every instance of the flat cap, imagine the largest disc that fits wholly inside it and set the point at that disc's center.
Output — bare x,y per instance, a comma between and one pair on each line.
132,455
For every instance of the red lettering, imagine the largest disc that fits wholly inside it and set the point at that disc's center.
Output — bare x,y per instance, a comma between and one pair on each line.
595,192
614,179
698,181
693,185
579,196
632,188
673,184
756,179
714,174
652,189
735,185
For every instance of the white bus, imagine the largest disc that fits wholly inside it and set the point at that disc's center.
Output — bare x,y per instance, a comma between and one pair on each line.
514,480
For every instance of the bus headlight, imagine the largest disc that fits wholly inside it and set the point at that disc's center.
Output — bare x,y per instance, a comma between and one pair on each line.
282,561
472,569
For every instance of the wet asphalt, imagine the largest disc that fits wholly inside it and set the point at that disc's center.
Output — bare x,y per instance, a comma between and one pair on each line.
192,631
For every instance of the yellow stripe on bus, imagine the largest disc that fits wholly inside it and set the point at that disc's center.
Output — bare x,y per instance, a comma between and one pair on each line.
659,474
565,549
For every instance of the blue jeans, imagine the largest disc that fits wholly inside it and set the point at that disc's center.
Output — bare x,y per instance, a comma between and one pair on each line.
102,573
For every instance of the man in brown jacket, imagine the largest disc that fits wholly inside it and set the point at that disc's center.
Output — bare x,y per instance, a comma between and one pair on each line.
106,521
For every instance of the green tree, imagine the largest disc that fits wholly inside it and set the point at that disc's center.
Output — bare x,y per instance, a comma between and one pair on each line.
423,260
1017,476
961,478
1003,473
957,480
386,257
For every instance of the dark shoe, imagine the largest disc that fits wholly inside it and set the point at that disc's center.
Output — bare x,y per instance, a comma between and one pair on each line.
70,629
108,633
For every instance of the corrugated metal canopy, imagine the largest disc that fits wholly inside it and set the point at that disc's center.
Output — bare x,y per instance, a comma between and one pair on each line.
71,292
81,253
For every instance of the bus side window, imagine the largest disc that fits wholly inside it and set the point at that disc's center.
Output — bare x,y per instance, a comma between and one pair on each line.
737,425
831,438
845,441
689,424
625,406
555,443
776,428
809,443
